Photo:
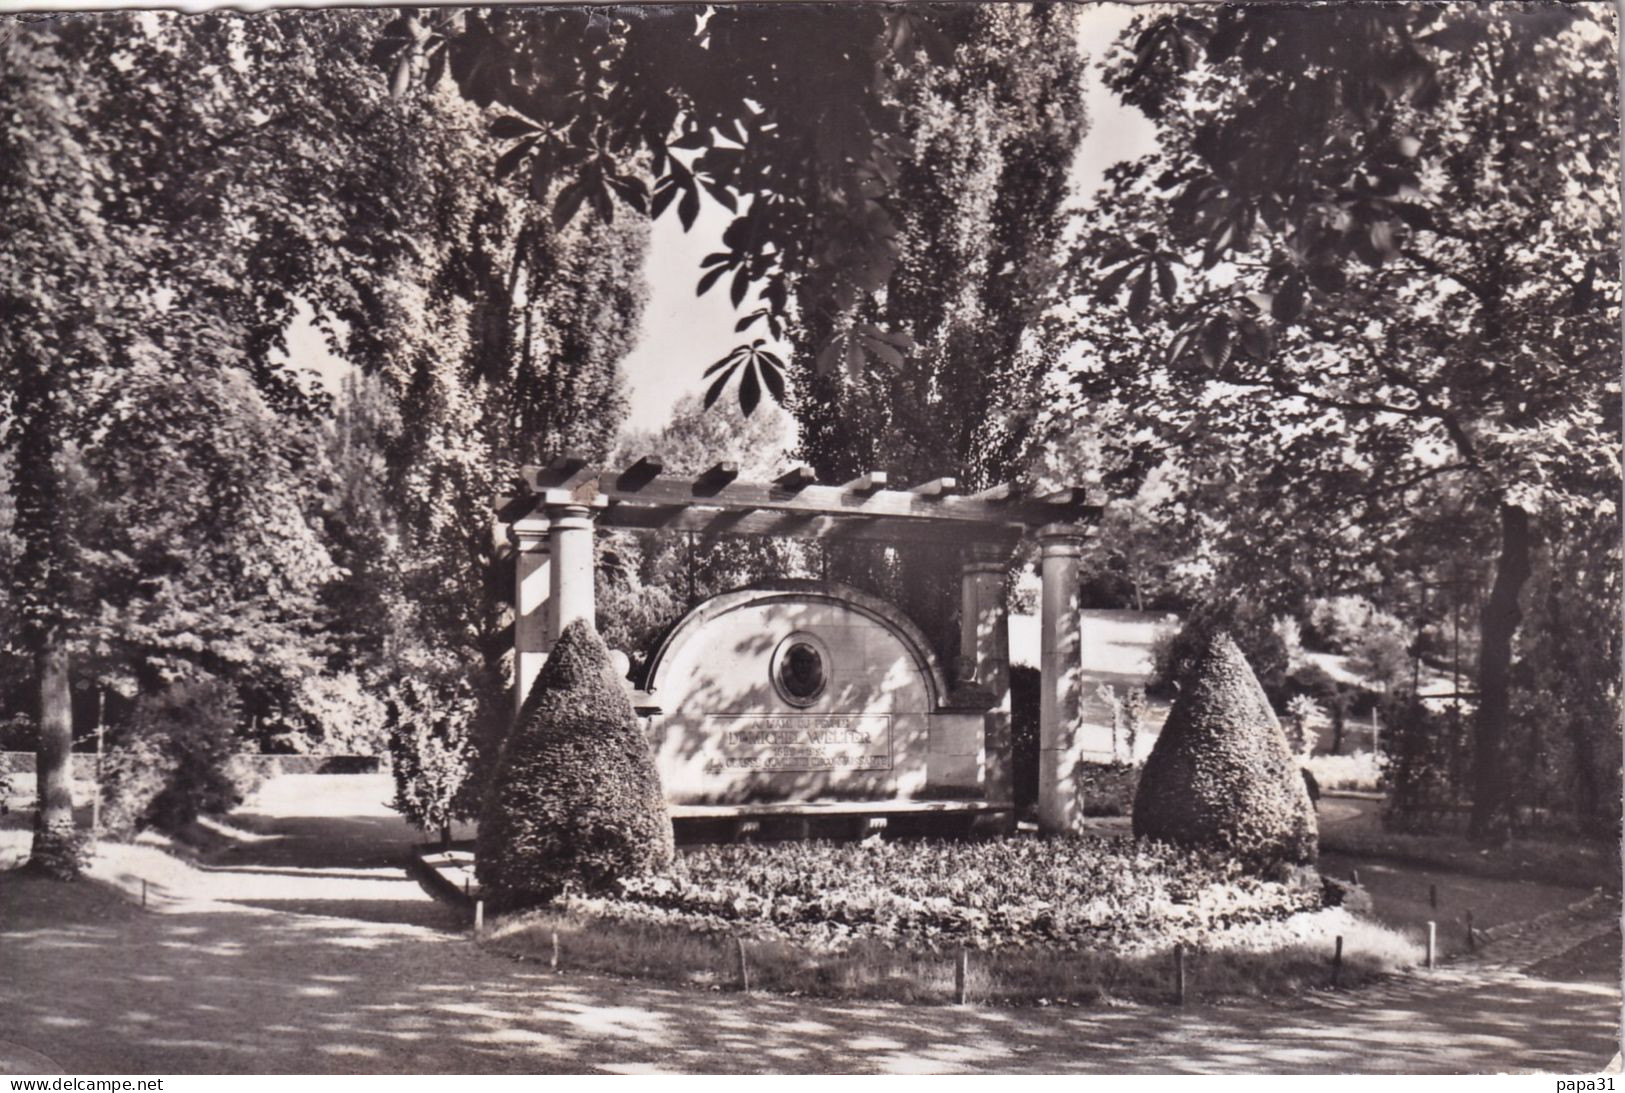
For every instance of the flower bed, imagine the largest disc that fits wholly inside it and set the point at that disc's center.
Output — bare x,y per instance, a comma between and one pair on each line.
1059,893
1074,920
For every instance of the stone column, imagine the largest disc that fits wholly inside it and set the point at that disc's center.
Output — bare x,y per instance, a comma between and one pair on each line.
532,593
570,528
984,641
1060,799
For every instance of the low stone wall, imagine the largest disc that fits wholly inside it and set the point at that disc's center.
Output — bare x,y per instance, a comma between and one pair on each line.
84,764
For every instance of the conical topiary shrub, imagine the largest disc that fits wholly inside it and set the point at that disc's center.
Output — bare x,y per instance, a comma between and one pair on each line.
1221,775
575,799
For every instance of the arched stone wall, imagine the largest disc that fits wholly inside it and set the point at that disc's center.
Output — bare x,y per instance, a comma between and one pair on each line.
725,731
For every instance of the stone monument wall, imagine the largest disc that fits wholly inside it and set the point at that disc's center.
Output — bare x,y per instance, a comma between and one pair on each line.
800,692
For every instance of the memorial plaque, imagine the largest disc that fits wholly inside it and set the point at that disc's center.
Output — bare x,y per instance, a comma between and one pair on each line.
798,742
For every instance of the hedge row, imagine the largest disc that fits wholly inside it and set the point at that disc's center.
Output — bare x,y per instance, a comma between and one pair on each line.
84,763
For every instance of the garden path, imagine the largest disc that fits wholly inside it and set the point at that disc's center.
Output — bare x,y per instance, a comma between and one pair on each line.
311,953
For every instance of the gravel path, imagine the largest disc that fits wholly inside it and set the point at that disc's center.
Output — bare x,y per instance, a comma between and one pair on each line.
308,951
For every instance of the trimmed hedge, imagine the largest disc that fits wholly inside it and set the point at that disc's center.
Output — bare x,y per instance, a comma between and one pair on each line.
1221,776
575,800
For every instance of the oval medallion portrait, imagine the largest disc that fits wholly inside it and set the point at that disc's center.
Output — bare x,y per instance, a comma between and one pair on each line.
800,669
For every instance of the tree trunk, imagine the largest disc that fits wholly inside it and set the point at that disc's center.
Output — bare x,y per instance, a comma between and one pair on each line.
1492,780
39,582
56,838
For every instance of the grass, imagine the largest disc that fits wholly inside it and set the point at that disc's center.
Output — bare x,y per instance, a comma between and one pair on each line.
1285,957
1576,863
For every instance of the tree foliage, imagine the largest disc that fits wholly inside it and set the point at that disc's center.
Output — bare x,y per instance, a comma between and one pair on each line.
792,118
182,189
649,580
945,371
1374,262
152,242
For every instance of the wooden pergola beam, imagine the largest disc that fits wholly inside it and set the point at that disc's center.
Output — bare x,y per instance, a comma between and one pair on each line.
641,473
801,525
798,477
715,478
936,503
1003,492
564,473
937,487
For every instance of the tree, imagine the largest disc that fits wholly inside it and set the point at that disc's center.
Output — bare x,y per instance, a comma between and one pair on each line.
517,363
161,233
791,118
1384,269
944,373
978,207
428,744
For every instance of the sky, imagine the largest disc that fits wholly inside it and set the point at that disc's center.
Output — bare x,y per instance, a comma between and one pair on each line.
683,334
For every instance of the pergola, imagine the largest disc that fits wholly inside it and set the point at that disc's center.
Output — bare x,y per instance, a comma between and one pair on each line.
551,524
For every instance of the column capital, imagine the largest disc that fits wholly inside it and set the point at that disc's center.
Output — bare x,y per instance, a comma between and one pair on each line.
1062,540
573,499
985,558
530,534
569,518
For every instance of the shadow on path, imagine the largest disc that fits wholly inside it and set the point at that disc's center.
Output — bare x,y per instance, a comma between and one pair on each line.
234,992
309,951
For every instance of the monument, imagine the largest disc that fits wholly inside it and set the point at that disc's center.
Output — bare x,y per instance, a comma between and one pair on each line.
809,699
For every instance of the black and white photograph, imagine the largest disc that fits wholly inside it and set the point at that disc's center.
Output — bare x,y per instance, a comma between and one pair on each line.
780,538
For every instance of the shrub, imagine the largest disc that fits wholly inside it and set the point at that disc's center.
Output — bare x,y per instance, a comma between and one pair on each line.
576,800
175,759
1221,775
429,745
1301,712
1428,764
1134,711
1314,681
17,733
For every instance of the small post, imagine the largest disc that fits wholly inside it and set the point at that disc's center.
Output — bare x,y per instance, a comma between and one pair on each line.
744,969
96,797
1433,896
1433,938
554,963
1354,877
143,893
465,884
961,973
1179,973
479,917
1337,962
1472,942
